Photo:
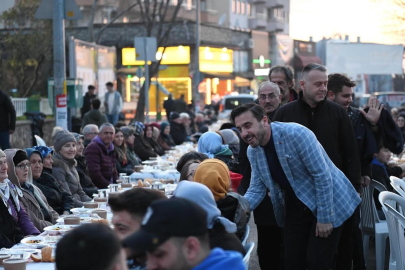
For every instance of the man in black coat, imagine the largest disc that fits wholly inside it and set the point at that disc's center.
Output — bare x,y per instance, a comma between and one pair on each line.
88,97
333,129
177,129
7,120
168,105
269,235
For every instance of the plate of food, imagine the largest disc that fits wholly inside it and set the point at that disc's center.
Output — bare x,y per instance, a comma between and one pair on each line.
82,220
60,228
81,210
33,240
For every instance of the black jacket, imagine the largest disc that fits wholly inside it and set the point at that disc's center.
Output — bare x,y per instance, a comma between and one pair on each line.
85,181
156,147
382,176
365,140
219,237
59,199
178,133
87,103
7,112
143,148
333,129
168,106
10,232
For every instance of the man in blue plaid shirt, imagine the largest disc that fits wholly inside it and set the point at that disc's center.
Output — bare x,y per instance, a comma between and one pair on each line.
310,195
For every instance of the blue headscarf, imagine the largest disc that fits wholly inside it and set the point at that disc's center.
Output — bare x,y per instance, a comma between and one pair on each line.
30,151
210,143
44,150
202,195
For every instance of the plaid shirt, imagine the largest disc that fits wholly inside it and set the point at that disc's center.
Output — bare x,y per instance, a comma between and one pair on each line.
316,181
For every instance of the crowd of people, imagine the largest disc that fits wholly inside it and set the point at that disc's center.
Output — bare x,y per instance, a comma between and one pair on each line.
298,161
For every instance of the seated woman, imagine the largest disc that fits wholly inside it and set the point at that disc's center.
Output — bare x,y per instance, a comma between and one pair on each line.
33,200
85,181
64,166
14,221
59,199
129,142
142,147
221,230
165,139
121,161
232,140
149,137
215,175
190,157
211,144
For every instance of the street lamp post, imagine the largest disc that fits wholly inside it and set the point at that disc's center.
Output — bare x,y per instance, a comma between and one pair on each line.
196,95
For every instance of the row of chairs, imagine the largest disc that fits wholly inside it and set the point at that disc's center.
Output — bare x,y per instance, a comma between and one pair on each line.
373,225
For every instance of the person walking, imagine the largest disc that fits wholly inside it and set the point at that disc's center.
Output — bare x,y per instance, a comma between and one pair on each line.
87,99
112,103
168,105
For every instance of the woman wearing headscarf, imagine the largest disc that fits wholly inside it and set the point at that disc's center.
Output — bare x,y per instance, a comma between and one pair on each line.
221,230
14,221
64,166
129,138
121,161
142,147
85,181
211,144
149,137
232,140
58,198
214,174
33,200
165,139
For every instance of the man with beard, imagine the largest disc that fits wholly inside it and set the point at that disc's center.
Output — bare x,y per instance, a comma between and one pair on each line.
333,129
283,76
269,235
311,197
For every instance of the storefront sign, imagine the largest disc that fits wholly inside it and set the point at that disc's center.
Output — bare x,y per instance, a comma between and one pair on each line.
179,55
262,71
216,60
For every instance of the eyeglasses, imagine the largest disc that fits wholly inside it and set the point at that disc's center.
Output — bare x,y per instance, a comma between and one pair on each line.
23,166
269,96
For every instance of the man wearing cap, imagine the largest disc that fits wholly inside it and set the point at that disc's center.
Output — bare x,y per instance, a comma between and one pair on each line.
174,235
101,158
177,129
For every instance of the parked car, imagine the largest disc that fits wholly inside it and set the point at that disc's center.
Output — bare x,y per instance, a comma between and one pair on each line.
230,102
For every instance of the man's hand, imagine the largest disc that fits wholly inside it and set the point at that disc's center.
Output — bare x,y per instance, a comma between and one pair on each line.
374,111
365,181
323,230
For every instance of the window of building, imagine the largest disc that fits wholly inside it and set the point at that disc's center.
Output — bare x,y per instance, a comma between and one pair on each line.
234,6
249,13
238,6
175,2
278,13
243,11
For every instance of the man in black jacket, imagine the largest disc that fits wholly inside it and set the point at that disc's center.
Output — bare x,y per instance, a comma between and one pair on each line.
88,97
333,129
177,129
269,235
7,120
168,105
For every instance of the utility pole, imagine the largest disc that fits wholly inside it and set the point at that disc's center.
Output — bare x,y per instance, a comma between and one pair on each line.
196,95
59,65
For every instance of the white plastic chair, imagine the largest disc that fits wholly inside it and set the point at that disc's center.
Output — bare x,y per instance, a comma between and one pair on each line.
371,225
39,140
248,248
398,185
246,235
391,203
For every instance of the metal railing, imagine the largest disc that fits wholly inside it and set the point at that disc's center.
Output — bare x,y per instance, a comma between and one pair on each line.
44,106
20,105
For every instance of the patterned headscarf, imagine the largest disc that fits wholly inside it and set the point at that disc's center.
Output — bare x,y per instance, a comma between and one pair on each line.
44,150
139,127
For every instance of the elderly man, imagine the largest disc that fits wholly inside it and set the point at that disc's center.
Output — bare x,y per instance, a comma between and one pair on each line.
311,197
186,121
174,236
177,129
101,157
283,76
269,98
89,132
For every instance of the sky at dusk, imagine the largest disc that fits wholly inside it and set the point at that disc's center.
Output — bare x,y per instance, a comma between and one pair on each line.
369,19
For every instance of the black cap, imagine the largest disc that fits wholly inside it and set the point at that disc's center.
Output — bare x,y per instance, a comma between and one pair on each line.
174,115
165,219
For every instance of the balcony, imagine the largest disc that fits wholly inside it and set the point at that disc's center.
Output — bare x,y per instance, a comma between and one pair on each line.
254,2
275,3
275,25
259,21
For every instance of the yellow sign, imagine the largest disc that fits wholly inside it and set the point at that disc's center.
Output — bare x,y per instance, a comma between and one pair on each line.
216,60
179,55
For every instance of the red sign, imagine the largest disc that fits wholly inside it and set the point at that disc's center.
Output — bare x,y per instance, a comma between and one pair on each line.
61,101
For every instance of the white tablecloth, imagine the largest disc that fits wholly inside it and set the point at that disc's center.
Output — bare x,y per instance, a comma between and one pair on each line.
38,266
155,175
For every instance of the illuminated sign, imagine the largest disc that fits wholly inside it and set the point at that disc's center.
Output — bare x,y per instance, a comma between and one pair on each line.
179,55
261,61
262,71
216,60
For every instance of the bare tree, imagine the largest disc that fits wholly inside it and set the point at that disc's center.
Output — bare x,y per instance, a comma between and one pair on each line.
157,23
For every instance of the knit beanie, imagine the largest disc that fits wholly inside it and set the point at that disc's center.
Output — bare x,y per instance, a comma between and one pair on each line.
174,115
19,156
127,131
61,137
2,154
215,175
77,136
139,127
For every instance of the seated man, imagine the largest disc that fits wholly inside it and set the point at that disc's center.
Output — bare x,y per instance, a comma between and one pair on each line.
174,235
89,132
95,247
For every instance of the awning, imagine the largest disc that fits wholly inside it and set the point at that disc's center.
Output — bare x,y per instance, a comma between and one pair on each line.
221,76
241,82
300,61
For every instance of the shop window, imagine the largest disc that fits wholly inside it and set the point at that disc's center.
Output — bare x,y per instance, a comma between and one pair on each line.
234,6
